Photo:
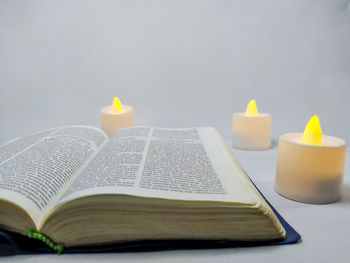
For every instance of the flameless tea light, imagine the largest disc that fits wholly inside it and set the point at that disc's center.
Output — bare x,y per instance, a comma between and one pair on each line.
251,130
310,166
116,116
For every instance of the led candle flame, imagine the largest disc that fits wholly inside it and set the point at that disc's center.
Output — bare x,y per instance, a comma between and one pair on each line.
251,110
313,132
117,106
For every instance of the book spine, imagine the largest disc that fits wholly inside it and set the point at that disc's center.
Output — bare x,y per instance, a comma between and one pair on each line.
56,247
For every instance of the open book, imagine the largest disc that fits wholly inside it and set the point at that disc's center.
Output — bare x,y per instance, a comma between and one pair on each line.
73,186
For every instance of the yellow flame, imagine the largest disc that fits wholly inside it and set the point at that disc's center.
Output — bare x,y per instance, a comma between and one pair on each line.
251,110
117,106
313,132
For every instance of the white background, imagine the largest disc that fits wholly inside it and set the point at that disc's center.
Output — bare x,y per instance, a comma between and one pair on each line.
186,63
180,63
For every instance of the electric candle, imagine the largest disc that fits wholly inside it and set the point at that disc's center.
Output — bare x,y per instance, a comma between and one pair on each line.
251,130
310,166
116,116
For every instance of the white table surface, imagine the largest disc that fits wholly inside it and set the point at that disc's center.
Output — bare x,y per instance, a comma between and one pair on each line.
324,229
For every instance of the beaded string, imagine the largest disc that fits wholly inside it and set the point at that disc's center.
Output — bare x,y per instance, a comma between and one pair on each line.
47,241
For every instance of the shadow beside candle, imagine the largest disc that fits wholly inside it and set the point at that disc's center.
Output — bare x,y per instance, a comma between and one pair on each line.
346,194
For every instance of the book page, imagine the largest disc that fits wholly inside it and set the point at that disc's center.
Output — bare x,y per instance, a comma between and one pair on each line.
17,145
38,168
180,164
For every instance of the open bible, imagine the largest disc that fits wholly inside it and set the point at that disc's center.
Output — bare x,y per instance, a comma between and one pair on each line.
72,186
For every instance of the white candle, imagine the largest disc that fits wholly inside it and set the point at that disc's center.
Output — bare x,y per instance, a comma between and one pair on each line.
116,116
310,166
251,130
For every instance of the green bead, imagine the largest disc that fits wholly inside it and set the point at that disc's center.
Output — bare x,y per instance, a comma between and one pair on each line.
47,241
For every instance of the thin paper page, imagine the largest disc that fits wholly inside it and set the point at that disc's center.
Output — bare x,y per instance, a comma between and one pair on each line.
18,145
35,177
181,164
